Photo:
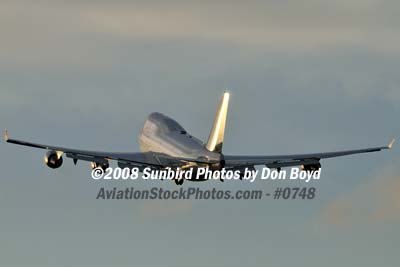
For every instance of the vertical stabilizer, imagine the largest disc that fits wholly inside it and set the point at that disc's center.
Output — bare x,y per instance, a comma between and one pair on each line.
216,138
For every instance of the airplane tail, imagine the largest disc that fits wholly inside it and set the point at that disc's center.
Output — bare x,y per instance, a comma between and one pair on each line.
216,138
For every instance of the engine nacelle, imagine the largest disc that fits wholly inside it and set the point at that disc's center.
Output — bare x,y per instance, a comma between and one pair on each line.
52,160
103,165
310,167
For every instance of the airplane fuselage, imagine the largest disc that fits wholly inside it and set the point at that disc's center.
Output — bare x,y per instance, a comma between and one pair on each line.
164,135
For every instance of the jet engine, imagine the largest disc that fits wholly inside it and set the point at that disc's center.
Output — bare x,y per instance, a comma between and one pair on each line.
311,167
103,165
52,160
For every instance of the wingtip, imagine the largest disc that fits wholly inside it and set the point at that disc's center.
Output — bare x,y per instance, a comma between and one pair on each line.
390,145
5,135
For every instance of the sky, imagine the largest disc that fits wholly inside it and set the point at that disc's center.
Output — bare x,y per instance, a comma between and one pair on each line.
304,76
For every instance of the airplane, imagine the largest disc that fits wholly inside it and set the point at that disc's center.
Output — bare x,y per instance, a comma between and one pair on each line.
164,143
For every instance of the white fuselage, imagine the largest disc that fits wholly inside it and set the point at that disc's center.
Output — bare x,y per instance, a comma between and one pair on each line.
164,135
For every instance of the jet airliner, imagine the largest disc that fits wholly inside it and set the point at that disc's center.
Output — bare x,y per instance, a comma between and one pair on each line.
164,143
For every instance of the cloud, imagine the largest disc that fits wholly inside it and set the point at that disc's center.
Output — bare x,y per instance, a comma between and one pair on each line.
377,201
298,25
79,32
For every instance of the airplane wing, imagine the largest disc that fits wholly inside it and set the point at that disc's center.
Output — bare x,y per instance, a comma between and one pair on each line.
138,159
279,161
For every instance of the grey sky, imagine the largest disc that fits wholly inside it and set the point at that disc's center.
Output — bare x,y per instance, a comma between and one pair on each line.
305,76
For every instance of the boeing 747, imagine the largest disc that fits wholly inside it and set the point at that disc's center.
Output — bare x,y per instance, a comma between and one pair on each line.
164,143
